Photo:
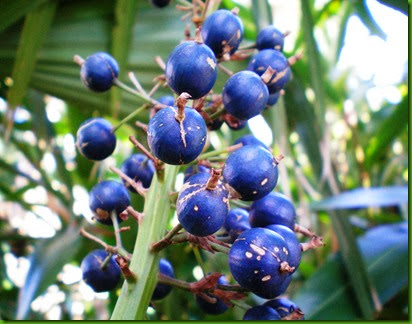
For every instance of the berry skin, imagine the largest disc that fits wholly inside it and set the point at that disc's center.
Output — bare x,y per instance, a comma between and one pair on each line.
107,197
194,170
255,260
273,98
99,71
100,279
237,221
191,68
216,124
162,290
250,140
261,313
270,38
294,248
95,139
284,307
277,61
217,308
245,95
139,168
175,142
222,31
160,3
202,211
275,208
167,100
250,173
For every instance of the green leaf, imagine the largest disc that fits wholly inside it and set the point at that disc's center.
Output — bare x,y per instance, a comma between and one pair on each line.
45,263
326,295
387,132
366,17
401,5
364,198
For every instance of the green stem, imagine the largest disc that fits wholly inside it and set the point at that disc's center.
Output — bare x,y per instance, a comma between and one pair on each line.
135,297
199,260
129,117
240,304
134,92
217,113
207,155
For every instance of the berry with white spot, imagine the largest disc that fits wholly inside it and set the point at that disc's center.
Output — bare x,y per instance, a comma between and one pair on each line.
261,313
99,71
237,221
271,38
162,290
138,167
219,307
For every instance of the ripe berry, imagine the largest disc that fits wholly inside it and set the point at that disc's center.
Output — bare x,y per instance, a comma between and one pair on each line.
99,71
250,173
261,313
237,221
275,208
219,307
250,140
277,61
273,98
285,307
100,278
216,124
107,197
95,139
202,204
176,135
167,100
294,248
191,68
191,170
271,38
222,31
245,95
162,290
139,168
258,261
160,3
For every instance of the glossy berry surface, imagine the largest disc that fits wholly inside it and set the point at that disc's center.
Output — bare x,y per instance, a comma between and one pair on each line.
217,308
175,142
261,313
255,259
191,68
283,306
270,38
222,31
167,100
201,211
100,279
277,61
95,139
107,197
237,221
273,98
249,140
162,290
250,172
139,168
160,3
99,71
275,208
245,95
292,241
191,170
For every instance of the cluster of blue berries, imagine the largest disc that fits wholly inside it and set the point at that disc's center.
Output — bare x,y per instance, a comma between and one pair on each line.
265,251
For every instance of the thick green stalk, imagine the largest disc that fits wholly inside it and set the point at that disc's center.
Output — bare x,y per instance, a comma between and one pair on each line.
135,297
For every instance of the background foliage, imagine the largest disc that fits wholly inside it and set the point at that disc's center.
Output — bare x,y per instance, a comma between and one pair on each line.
351,188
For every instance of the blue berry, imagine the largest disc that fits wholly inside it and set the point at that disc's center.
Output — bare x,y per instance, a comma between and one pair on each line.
167,100
261,313
245,95
250,173
139,168
217,308
270,38
277,61
250,140
191,68
284,307
162,290
95,139
234,123
275,208
294,248
100,279
174,141
202,204
191,170
257,261
222,31
99,71
160,3
216,124
107,197
273,98
237,221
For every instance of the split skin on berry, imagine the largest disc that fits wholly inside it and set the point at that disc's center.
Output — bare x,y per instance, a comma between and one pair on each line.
259,239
